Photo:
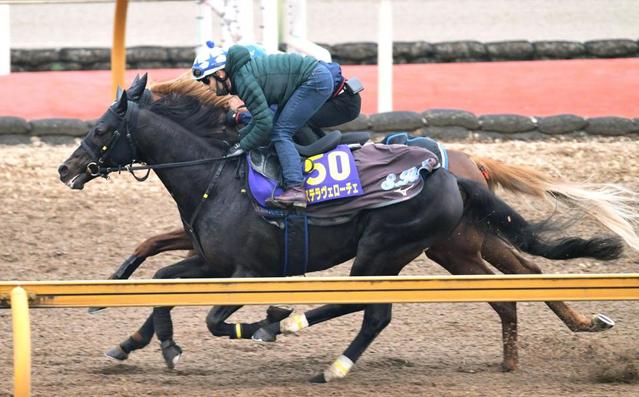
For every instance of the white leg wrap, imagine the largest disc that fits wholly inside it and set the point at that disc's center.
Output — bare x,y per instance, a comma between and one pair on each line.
293,323
339,369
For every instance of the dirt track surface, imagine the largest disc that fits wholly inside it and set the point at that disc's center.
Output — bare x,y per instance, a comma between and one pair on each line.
50,232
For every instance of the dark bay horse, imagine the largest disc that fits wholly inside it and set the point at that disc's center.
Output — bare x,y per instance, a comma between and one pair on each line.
235,242
463,253
460,255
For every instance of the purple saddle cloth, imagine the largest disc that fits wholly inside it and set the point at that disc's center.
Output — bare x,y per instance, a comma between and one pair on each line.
389,174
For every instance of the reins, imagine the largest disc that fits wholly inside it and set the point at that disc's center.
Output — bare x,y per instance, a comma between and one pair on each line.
97,168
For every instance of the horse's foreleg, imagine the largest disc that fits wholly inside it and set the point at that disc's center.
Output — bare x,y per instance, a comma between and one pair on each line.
192,267
508,261
171,241
140,339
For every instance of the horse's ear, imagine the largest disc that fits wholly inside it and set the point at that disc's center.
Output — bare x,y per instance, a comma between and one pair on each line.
118,93
136,79
121,104
143,80
137,88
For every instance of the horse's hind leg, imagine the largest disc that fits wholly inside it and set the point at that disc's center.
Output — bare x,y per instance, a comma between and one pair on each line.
140,339
460,255
216,322
297,322
508,261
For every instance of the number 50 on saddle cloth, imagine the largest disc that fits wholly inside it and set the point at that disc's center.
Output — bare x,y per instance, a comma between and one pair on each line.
340,182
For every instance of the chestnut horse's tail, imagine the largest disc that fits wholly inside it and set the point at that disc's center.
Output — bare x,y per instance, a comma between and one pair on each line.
185,85
613,206
486,210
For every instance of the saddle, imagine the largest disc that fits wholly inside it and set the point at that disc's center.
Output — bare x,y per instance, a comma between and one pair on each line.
264,160
404,138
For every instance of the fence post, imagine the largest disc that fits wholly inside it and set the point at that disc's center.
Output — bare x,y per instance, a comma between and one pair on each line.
118,51
21,342
385,57
270,26
204,22
5,40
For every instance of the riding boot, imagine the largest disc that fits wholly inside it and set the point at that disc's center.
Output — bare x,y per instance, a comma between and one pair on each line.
295,196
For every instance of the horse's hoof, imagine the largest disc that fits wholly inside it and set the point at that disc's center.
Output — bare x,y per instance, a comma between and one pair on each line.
275,314
171,353
116,353
508,365
318,379
94,310
601,323
262,335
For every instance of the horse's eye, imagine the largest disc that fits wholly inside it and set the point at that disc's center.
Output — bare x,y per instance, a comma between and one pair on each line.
100,130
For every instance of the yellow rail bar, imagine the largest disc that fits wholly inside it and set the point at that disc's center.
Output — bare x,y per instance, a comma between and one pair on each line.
20,295
307,290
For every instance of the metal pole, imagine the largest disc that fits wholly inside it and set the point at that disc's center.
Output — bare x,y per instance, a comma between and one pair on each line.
118,52
270,26
204,23
385,57
245,20
21,342
5,40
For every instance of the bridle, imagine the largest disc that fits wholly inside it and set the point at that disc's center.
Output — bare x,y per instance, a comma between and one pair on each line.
121,153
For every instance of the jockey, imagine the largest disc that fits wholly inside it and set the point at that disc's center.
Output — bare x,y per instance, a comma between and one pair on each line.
299,86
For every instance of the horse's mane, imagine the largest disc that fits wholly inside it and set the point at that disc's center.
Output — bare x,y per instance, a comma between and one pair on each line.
185,85
205,121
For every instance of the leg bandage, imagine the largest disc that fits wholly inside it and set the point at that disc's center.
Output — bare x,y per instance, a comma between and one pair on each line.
339,369
293,323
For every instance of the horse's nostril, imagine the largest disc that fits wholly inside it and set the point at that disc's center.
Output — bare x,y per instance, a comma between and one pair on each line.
63,170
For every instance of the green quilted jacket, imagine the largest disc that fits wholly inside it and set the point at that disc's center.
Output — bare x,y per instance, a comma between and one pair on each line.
261,82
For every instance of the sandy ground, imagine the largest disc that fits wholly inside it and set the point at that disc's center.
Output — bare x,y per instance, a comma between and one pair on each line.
50,232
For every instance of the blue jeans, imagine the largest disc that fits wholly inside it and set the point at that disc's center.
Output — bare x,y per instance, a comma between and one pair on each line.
301,106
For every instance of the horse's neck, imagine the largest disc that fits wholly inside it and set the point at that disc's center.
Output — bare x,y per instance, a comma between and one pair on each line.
161,141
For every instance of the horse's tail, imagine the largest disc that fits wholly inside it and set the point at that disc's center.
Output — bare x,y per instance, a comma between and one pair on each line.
185,85
493,215
611,205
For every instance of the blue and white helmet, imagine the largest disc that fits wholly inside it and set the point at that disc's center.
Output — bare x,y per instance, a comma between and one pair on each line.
209,59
